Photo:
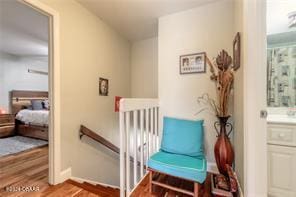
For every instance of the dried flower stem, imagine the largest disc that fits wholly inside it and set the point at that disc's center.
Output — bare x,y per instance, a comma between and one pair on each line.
222,75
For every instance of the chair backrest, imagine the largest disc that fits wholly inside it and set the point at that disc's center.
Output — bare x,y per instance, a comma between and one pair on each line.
184,137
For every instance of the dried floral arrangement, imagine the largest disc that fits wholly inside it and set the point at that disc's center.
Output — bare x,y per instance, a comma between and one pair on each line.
222,75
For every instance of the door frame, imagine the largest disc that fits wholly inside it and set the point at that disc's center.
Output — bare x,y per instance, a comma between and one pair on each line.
54,176
255,128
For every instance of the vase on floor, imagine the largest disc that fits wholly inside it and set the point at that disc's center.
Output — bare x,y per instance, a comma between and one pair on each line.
224,153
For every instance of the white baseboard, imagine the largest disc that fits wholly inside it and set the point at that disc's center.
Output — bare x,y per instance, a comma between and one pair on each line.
212,167
65,175
240,191
81,180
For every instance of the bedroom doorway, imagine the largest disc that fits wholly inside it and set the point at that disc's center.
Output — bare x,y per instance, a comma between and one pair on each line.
55,175
26,129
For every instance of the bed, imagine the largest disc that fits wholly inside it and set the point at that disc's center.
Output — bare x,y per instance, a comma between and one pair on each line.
29,122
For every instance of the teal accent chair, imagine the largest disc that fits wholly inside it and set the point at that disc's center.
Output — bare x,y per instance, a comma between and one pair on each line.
181,154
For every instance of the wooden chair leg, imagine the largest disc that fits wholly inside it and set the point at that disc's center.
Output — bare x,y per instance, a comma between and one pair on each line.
196,189
150,182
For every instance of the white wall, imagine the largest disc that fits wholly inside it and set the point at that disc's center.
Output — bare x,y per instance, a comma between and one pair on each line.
207,28
144,77
90,49
14,75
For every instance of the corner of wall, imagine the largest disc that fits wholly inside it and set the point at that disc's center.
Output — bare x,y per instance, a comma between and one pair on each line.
65,175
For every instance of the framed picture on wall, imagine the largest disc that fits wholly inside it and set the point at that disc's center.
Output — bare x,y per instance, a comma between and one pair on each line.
103,87
193,63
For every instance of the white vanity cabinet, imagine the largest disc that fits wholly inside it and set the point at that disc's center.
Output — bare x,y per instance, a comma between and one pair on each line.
281,139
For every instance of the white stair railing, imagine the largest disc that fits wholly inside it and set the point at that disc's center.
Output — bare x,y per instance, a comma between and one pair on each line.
139,138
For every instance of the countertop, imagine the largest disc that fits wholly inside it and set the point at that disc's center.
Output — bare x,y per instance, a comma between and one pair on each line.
281,119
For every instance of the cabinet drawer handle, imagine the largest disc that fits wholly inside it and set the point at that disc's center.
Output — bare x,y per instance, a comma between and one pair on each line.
281,135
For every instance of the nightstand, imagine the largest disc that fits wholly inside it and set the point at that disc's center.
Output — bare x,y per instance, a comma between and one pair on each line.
7,125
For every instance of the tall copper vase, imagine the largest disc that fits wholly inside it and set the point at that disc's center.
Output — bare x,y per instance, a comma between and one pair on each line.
224,153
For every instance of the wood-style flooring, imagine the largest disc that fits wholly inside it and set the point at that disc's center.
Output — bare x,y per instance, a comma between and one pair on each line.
143,188
74,189
28,171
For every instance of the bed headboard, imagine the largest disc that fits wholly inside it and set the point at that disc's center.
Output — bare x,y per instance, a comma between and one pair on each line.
22,98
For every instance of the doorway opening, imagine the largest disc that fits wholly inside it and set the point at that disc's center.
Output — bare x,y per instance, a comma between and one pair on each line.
25,98
281,97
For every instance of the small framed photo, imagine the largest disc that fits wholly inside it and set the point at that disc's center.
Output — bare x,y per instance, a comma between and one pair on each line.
193,63
103,87
236,52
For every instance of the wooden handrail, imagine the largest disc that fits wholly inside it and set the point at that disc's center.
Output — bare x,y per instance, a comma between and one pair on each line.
85,131
93,135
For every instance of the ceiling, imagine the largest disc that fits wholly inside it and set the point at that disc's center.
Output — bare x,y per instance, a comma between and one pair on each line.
277,15
137,19
23,31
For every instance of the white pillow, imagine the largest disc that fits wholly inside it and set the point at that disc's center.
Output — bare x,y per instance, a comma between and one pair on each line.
46,104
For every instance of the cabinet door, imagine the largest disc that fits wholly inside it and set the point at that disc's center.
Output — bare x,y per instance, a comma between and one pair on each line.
281,171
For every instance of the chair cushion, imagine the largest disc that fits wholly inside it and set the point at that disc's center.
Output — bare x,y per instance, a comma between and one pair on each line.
186,167
182,136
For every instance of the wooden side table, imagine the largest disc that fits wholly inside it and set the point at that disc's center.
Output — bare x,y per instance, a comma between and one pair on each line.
7,125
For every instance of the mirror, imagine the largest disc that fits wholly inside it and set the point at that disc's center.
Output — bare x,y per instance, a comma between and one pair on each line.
281,54
281,69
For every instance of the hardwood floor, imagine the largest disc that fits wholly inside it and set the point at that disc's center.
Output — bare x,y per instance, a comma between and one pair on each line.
25,170
143,188
28,170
